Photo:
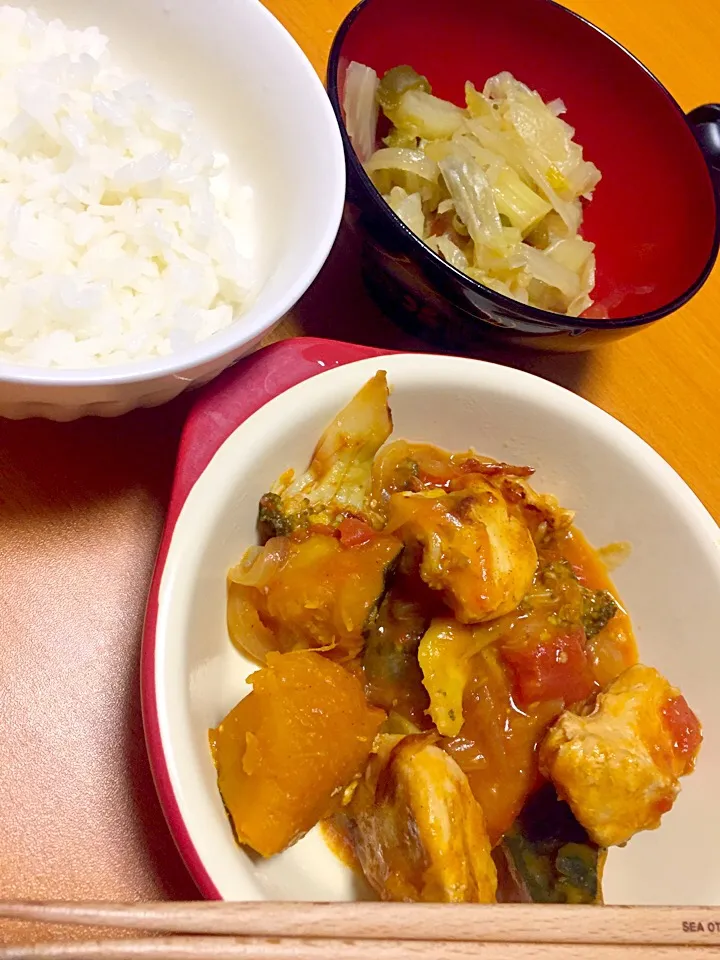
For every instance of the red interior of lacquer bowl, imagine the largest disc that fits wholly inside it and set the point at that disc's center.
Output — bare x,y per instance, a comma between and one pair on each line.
653,214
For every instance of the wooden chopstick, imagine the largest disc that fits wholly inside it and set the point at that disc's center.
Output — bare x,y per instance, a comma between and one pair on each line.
231,948
518,923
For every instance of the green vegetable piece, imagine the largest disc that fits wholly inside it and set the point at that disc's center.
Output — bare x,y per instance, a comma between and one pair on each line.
549,856
392,640
531,871
593,608
578,874
272,520
407,475
599,607
395,83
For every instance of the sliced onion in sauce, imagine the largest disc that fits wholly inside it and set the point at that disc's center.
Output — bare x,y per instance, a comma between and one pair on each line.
247,631
257,569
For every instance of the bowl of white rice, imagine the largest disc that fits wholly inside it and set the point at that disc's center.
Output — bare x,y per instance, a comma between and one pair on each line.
171,182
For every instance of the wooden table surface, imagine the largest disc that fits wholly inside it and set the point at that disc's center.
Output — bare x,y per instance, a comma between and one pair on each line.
81,509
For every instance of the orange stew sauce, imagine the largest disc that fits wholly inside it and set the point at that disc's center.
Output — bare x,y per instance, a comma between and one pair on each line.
537,660
497,746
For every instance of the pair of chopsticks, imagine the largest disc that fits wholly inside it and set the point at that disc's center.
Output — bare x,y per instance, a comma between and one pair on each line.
374,931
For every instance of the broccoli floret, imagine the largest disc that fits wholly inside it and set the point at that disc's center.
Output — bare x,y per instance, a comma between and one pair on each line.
273,521
593,608
598,609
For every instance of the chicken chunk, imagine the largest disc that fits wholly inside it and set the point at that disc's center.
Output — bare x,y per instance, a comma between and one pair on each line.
418,832
618,768
475,551
541,512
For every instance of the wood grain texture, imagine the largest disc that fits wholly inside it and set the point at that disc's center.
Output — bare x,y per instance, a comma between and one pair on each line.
502,923
81,508
261,948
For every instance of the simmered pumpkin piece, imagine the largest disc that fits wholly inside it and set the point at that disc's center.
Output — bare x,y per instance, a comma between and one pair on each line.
618,768
285,754
321,594
480,556
416,828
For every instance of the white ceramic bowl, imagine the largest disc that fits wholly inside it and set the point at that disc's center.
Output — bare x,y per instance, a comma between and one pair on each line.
621,490
260,101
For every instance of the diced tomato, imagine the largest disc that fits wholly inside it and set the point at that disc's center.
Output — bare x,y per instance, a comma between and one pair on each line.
663,805
684,727
554,669
354,533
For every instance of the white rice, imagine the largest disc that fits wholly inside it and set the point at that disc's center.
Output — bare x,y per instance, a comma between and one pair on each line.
122,235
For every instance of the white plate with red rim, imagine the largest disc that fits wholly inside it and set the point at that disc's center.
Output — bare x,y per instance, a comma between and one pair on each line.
266,415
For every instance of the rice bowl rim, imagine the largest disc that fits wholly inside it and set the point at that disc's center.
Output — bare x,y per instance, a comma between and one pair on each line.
240,332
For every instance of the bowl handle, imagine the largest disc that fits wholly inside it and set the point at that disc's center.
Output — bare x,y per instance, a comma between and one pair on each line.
705,123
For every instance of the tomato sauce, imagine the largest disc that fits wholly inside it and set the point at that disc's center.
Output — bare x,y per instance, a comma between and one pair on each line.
614,649
533,667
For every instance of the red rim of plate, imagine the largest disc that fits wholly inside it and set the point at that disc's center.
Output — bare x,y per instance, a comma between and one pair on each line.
221,407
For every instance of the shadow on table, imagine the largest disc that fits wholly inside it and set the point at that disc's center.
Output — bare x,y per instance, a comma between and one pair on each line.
338,306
